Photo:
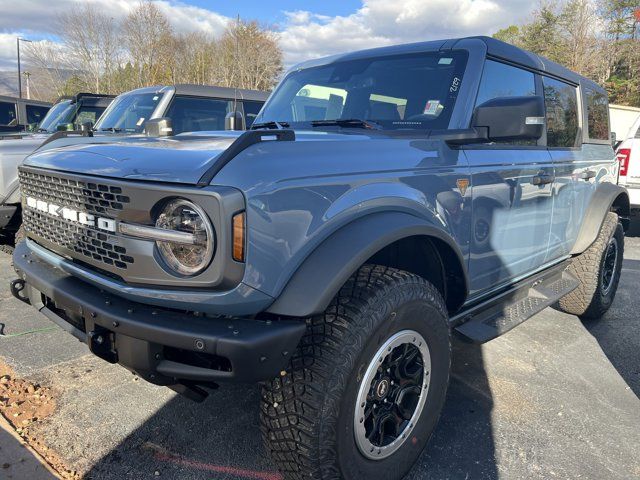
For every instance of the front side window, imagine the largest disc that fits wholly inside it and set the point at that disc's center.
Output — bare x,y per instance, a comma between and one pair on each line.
597,115
35,113
502,80
127,113
412,91
561,104
251,110
60,113
194,114
7,113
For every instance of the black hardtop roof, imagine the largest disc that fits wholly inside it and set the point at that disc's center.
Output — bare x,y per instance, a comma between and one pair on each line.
91,99
220,92
8,98
495,48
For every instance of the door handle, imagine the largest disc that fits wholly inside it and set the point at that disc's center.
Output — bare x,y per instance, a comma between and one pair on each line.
586,175
543,179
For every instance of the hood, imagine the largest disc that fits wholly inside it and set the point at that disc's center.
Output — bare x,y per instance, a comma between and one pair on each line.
181,159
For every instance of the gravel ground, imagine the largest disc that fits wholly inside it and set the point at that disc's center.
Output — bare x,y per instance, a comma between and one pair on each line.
554,398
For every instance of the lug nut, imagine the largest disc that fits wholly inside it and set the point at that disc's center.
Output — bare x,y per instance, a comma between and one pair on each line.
199,344
115,324
94,314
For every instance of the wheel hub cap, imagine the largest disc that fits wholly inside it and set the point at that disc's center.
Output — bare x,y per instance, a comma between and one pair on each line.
392,394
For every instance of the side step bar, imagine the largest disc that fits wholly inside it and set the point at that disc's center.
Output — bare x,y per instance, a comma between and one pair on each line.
497,316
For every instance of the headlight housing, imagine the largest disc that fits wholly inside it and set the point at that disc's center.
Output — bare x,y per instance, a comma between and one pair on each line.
186,258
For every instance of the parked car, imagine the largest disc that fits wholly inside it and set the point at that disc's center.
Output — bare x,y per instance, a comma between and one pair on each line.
191,108
19,114
628,154
622,119
67,114
188,108
382,200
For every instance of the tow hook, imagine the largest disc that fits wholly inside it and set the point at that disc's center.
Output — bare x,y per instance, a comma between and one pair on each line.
17,286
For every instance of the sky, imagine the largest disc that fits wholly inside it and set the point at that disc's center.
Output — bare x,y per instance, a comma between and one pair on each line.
308,29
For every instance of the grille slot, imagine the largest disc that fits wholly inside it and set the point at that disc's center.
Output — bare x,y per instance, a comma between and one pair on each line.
95,198
84,241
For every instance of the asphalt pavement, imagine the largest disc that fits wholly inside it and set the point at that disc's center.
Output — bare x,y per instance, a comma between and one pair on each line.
553,398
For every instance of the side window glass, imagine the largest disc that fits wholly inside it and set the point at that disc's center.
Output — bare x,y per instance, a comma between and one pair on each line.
7,113
88,114
502,80
192,114
35,113
597,115
561,104
251,110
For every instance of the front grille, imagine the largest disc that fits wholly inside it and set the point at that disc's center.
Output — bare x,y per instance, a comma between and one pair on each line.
85,241
82,242
95,198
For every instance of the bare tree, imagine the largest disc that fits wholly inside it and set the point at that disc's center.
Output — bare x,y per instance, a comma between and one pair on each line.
248,56
148,38
51,65
90,38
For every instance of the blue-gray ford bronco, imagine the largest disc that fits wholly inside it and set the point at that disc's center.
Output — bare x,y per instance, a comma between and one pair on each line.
383,201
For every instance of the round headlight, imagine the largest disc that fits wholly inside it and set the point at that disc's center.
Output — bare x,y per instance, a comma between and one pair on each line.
192,254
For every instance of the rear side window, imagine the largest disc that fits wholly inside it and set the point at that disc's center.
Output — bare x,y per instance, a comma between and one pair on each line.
35,113
191,114
561,103
597,115
7,113
88,114
501,80
251,110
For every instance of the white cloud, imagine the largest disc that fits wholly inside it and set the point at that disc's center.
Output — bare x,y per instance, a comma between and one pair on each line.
388,22
304,34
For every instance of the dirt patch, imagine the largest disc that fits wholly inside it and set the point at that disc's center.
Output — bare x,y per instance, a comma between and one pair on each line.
24,404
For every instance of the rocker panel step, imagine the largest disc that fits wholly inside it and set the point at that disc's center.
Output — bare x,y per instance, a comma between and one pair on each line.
496,317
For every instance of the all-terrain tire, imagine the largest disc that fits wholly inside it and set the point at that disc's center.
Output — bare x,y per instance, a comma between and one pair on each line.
591,299
307,414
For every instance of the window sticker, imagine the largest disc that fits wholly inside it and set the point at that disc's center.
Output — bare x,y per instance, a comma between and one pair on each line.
445,61
155,98
433,107
140,122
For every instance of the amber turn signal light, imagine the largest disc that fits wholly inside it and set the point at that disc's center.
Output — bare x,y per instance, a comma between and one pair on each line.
238,236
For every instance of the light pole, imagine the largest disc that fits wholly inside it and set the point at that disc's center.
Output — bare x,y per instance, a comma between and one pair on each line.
19,74
27,75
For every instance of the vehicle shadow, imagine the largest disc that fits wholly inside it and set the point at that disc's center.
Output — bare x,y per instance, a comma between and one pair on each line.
618,332
220,438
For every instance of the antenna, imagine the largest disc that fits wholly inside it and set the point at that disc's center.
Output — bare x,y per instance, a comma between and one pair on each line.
235,61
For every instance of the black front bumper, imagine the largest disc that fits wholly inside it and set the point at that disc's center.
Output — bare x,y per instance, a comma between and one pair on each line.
161,345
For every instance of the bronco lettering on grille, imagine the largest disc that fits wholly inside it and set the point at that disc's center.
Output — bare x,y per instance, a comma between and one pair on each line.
83,218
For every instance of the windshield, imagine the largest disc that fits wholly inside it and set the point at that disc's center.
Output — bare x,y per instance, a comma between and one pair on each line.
394,92
128,112
60,113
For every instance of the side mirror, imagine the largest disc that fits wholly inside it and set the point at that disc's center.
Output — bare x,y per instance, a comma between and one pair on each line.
234,121
87,129
511,118
158,127
65,127
614,140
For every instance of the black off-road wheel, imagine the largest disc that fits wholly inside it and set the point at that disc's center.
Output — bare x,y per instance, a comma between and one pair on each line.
365,388
598,269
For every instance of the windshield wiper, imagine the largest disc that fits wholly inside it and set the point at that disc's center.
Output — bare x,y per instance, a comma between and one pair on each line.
270,125
111,129
348,123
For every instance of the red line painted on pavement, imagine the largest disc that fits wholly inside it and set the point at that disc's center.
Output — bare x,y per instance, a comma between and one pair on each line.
238,472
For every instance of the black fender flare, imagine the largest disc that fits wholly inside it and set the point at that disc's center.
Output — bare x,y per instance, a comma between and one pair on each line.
321,275
607,196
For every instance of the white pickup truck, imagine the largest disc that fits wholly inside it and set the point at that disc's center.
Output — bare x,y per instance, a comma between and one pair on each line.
629,157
